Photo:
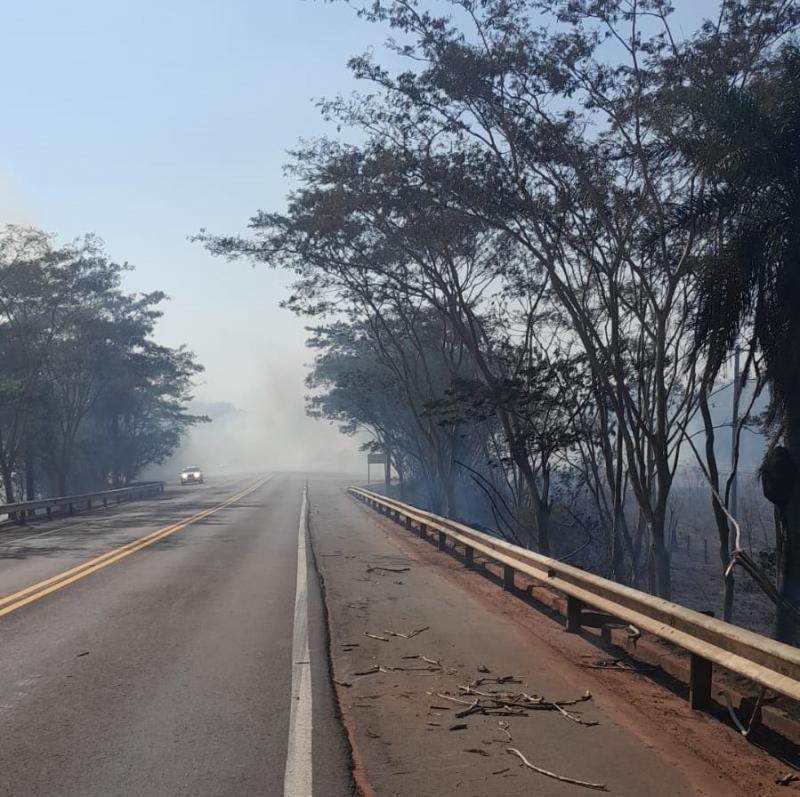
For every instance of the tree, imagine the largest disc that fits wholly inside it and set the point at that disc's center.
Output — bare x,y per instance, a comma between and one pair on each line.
86,396
563,139
746,145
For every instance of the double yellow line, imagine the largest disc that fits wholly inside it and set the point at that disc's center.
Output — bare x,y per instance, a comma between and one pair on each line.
25,596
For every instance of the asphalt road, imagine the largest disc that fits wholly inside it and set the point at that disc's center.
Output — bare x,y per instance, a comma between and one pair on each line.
140,656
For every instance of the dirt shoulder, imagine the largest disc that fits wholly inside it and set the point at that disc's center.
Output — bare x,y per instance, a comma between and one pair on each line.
398,697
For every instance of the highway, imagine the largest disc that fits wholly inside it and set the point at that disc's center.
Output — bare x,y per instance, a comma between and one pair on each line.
141,656
180,645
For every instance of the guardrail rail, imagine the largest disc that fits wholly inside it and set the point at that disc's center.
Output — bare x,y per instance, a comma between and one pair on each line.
709,641
23,511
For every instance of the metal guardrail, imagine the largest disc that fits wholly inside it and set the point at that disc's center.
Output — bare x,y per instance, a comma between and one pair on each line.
709,641
22,511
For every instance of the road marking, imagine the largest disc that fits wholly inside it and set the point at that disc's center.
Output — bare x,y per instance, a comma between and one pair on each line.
297,778
36,591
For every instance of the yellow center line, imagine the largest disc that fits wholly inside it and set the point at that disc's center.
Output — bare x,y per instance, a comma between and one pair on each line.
32,593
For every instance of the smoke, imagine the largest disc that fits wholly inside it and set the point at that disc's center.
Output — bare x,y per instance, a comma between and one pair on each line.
269,431
13,209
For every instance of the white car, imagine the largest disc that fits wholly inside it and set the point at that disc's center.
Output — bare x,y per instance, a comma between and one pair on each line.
191,475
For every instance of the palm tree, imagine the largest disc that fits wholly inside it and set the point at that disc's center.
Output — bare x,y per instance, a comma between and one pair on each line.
745,146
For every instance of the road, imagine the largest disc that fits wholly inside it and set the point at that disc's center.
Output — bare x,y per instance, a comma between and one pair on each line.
180,646
142,657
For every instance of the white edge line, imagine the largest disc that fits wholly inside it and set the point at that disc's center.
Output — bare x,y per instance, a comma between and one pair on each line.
297,779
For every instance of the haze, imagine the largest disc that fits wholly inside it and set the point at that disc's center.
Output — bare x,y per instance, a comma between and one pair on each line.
145,121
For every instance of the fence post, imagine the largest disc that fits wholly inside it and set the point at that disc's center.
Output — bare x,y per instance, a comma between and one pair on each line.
699,682
574,611
508,578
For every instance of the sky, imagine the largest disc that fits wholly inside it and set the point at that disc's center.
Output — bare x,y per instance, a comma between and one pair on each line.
146,121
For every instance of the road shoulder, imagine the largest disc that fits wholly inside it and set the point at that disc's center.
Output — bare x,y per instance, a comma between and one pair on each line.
379,580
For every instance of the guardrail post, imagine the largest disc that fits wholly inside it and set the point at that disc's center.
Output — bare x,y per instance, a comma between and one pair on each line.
408,523
89,504
71,509
699,682
105,501
508,578
423,531
442,541
21,517
469,557
574,611
48,512
605,635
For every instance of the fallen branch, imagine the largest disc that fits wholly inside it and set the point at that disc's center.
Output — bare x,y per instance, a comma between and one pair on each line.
409,635
562,778
454,699
467,711
375,636
493,703
754,717
376,568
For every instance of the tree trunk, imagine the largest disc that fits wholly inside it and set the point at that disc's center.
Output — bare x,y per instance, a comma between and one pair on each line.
662,576
788,628
401,478
451,500
8,484
720,518
30,477
617,542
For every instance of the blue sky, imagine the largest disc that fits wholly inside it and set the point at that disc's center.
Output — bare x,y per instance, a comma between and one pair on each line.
146,121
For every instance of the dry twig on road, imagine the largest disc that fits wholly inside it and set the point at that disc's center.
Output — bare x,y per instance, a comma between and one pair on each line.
518,704
377,568
409,635
562,778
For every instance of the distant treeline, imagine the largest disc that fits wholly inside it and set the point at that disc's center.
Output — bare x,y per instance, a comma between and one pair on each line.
530,273
87,397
